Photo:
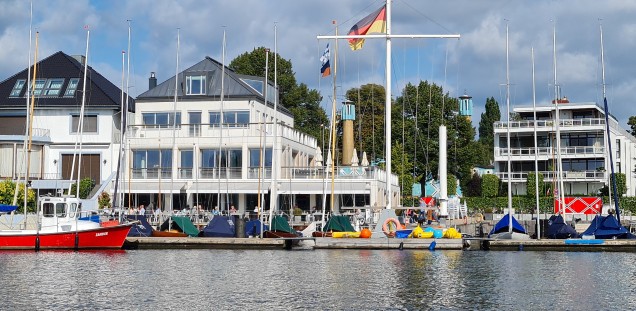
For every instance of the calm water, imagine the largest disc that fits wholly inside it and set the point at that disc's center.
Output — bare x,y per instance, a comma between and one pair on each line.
317,280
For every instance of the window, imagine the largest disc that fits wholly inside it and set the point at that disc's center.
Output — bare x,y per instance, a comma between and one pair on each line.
195,85
71,87
195,123
215,119
161,119
255,84
17,88
60,209
236,118
148,163
39,85
208,158
52,87
89,126
255,157
618,148
186,164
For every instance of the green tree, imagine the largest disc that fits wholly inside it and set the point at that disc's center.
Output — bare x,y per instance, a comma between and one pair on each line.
621,184
403,168
304,103
490,185
104,200
473,188
632,125
486,129
531,184
369,124
86,185
7,189
451,184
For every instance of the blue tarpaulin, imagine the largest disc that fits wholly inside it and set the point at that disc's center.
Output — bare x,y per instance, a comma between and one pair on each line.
502,226
4,208
558,229
220,227
143,228
253,228
607,227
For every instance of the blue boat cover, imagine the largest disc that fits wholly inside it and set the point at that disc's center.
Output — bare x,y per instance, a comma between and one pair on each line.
253,228
220,227
502,226
93,218
558,229
143,228
607,227
4,208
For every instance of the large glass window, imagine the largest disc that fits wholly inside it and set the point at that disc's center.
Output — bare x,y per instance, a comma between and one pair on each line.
39,85
186,164
255,157
194,128
71,87
17,88
89,125
215,119
208,158
148,163
236,118
161,119
195,85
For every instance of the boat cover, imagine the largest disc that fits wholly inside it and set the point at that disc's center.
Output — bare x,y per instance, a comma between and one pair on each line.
607,227
93,218
280,224
558,229
253,228
4,208
502,226
338,223
220,227
143,228
182,223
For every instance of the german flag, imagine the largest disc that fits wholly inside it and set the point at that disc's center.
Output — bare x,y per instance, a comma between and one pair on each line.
374,23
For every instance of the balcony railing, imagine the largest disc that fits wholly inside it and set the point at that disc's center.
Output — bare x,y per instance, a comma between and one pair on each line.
550,175
577,150
35,132
543,124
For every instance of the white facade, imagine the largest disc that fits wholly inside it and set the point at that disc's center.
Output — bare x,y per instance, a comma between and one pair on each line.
583,148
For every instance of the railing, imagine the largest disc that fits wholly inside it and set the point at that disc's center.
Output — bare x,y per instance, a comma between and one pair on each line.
35,132
151,173
551,175
577,150
550,123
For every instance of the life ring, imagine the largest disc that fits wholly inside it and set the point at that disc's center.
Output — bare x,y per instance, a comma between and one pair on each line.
385,227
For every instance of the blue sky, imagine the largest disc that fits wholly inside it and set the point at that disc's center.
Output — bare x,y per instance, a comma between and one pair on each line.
475,63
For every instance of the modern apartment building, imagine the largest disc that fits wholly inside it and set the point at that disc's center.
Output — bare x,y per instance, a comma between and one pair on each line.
205,147
584,155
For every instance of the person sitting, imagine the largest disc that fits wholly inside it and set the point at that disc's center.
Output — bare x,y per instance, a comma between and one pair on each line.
232,210
215,211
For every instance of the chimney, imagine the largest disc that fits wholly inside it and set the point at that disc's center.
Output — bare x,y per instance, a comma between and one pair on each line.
152,81
80,58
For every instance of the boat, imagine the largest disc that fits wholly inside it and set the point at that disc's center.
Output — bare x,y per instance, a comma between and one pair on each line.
558,229
335,224
176,226
508,228
219,227
280,228
140,229
59,227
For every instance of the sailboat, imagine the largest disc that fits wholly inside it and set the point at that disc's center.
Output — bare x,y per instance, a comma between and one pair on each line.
608,227
508,227
59,225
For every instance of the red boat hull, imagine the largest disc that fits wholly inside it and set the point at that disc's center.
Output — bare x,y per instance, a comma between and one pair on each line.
112,237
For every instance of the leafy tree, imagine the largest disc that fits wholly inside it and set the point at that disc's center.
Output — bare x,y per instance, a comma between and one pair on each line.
531,184
621,184
304,103
369,124
104,200
490,185
86,185
473,188
632,125
486,130
7,189
451,184
403,168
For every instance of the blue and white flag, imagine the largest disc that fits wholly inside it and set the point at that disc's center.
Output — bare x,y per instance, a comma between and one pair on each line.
325,70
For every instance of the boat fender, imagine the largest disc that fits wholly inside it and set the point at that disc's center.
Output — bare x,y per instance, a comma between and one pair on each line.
37,243
387,230
431,247
76,241
401,246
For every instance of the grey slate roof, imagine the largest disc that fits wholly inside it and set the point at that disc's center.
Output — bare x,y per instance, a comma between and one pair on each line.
235,88
100,92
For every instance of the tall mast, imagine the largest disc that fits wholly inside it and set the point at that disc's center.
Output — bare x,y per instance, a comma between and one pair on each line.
561,190
508,134
174,123
273,200
332,133
123,122
387,105
80,127
221,120
536,148
609,141
30,128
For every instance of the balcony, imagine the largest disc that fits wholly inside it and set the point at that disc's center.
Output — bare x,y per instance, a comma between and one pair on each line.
549,124
17,134
569,176
593,151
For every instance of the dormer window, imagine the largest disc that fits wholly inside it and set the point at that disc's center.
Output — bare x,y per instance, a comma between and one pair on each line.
17,88
71,87
53,87
39,85
195,85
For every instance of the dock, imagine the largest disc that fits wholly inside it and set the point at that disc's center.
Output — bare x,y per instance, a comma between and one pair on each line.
570,245
388,243
201,243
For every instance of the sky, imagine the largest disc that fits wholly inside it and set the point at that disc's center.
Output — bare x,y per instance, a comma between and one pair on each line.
474,64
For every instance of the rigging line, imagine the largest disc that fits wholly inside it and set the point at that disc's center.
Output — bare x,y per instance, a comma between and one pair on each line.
428,127
425,16
357,14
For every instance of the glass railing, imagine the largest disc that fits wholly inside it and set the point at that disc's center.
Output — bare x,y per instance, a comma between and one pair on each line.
551,175
576,150
550,123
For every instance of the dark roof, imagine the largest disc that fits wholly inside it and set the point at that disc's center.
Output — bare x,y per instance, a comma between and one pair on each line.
235,87
101,93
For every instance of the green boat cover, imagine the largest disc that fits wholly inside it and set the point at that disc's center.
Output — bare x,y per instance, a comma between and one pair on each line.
186,225
338,223
280,224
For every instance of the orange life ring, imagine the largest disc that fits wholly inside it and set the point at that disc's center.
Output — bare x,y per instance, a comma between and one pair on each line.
385,227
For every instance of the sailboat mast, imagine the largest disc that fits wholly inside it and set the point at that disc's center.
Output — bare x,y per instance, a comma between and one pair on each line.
609,141
508,133
273,200
123,122
30,127
333,125
387,107
536,148
174,123
80,129
221,120
265,137
561,190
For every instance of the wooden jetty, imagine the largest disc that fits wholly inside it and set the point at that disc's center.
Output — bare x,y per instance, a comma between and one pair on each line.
388,243
201,243
569,245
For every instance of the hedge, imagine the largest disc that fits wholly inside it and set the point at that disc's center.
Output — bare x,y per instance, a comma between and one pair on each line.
524,204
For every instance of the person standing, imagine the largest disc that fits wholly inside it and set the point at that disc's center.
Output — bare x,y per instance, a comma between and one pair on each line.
142,210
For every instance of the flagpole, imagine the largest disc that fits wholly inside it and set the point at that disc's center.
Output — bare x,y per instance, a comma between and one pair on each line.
333,123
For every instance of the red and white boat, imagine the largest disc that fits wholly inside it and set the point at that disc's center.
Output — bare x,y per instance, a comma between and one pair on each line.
60,227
